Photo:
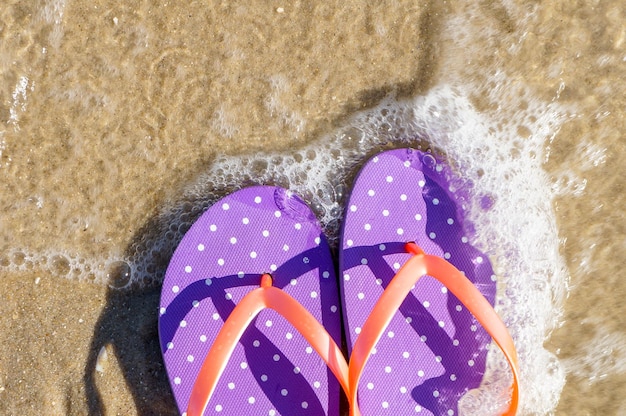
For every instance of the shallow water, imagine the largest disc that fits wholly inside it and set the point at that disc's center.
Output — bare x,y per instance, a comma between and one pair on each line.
121,123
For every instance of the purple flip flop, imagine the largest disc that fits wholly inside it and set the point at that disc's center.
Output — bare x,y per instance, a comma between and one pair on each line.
273,369
433,351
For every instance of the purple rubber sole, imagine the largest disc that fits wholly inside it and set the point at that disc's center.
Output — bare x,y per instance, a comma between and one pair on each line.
433,351
273,370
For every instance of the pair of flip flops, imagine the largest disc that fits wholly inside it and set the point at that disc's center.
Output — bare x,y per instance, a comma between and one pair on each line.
252,314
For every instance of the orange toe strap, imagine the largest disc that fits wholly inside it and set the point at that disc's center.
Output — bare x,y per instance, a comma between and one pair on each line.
388,304
254,302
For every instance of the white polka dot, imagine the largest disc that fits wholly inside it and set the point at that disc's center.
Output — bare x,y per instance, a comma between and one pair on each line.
464,239
426,304
308,350
256,343
423,338
305,260
420,373
265,233
455,342
438,358
162,311
190,358
253,254
213,227
357,330
284,392
370,386
220,262
317,384
479,260
251,400
364,261
418,408
346,277
450,412
450,221
203,338
471,363
432,236
403,390
296,370
304,405
218,408
195,303
277,214
170,345
390,334
233,240
407,163
396,266
289,335
175,289
403,197
382,247
360,296
473,328
493,278
245,220
268,323
285,247
276,357
375,159
444,290
458,308
439,168
406,354
387,369
298,226
293,282
418,217
263,377
371,192
435,201
318,240
400,231
379,281
183,323
200,247
385,405
225,206
243,365
313,295
208,282
272,412
442,324
374,351
273,267
177,380
435,393
367,227
353,208
228,296
257,199
216,316
333,308
453,377
408,319
231,386
349,243
325,275
446,255
188,269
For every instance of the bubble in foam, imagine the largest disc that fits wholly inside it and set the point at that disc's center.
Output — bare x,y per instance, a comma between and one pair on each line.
118,274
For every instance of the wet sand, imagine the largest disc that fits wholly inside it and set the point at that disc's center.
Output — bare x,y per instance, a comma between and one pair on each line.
110,111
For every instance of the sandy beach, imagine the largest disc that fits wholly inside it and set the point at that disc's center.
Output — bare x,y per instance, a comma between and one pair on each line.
120,122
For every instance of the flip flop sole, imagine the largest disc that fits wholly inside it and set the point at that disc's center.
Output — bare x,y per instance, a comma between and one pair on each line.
434,350
273,370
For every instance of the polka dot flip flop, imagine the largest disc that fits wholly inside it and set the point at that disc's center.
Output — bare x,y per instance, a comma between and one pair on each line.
415,347
260,247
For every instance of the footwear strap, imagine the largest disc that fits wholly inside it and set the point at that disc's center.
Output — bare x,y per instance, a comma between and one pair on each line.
389,302
266,296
